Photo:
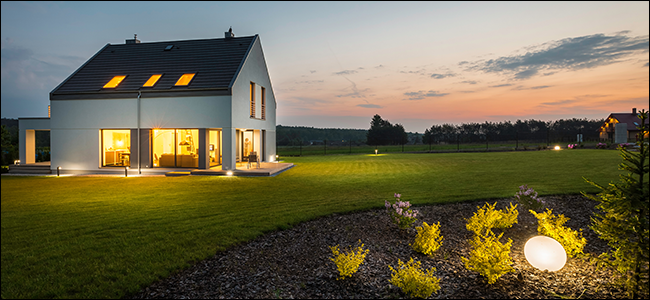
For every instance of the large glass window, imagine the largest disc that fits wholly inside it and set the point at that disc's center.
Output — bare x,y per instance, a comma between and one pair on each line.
116,148
215,148
175,148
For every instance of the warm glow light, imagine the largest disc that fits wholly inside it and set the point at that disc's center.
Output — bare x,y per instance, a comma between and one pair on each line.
545,253
120,143
152,80
375,151
114,82
16,162
185,79
557,148
229,173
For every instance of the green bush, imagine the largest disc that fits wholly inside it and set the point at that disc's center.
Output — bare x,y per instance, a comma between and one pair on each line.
428,239
623,218
413,281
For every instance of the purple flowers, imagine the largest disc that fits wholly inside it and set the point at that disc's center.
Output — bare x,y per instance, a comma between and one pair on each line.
528,198
400,213
572,146
601,146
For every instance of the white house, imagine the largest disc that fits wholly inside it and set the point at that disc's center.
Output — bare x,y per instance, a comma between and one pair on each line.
191,104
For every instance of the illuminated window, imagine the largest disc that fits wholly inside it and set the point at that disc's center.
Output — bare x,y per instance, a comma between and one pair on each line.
116,148
152,80
252,100
263,104
114,82
185,79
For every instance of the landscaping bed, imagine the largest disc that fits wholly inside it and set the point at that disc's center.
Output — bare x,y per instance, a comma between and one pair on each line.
295,263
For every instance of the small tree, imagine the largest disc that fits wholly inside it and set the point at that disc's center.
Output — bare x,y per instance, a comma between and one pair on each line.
623,221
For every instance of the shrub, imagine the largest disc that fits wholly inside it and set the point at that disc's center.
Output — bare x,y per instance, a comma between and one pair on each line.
414,281
572,146
601,146
487,218
553,226
348,263
428,239
528,198
489,257
623,218
400,212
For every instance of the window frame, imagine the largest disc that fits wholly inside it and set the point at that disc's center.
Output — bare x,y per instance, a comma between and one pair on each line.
116,84
155,82
188,83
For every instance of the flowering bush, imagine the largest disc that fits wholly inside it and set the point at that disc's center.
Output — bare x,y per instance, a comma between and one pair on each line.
348,263
428,239
625,145
414,281
572,146
527,197
601,146
400,212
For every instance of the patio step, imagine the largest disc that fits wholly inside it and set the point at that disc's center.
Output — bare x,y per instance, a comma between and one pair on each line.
30,169
176,174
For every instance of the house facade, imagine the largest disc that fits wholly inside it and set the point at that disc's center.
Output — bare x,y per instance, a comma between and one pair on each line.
621,127
190,104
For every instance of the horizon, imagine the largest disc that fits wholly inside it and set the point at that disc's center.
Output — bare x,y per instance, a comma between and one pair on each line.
337,64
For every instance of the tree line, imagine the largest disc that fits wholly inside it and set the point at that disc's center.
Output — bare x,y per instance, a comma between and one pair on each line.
559,130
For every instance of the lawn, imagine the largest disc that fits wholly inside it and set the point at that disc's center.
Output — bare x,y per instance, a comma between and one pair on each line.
104,237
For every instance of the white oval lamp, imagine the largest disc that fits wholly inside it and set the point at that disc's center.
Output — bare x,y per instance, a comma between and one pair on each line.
545,253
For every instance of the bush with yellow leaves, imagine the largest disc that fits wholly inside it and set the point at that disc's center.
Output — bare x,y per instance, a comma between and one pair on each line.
489,257
414,281
487,218
428,239
348,263
553,226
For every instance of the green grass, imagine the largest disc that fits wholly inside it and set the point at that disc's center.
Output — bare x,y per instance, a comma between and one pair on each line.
104,237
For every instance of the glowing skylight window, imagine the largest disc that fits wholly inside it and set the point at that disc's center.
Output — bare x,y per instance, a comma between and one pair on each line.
114,82
152,80
185,79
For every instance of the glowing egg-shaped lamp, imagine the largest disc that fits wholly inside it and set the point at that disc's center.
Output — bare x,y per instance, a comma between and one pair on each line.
545,253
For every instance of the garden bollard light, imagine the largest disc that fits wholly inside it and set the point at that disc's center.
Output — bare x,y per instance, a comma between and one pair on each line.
58,171
545,253
126,171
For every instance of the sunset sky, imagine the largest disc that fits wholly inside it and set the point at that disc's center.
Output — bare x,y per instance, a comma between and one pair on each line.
336,64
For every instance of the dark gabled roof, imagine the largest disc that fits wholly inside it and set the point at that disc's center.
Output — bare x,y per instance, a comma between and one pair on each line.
627,118
216,63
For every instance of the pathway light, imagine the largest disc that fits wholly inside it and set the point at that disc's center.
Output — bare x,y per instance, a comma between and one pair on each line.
545,253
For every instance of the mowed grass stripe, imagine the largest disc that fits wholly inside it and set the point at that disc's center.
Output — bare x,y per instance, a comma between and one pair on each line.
90,237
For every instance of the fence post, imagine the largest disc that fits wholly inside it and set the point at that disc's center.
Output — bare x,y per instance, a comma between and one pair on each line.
325,146
350,146
516,140
458,143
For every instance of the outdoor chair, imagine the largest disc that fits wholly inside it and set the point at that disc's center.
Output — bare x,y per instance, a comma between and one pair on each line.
252,158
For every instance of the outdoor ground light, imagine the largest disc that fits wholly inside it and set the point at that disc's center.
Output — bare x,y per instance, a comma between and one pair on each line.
16,162
58,170
229,173
557,148
375,152
126,171
545,253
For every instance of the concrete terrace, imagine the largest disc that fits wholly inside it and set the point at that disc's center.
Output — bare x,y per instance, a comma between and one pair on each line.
44,169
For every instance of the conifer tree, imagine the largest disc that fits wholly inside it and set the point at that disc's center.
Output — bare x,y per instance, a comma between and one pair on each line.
623,218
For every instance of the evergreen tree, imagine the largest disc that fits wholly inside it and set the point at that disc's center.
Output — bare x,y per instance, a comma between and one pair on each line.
623,220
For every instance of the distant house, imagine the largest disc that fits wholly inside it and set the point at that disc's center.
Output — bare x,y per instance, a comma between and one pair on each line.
191,104
621,127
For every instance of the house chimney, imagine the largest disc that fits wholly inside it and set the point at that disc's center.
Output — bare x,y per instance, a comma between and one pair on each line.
134,40
634,110
229,33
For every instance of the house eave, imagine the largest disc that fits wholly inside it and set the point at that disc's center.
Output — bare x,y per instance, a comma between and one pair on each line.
144,93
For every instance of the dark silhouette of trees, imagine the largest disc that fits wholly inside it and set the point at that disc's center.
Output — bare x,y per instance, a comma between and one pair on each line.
382,132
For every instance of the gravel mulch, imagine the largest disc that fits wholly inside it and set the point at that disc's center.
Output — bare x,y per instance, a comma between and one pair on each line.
295,263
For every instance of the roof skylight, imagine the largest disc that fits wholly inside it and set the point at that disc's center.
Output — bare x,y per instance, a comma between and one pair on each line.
185,79
152,80
169,47
114,82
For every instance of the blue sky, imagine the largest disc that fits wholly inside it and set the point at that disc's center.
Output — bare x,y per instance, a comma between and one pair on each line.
336,64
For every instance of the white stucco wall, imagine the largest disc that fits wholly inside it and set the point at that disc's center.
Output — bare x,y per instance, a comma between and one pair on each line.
255,70
76,124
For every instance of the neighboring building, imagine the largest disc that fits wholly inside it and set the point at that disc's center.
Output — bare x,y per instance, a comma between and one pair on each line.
174,104
621,127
